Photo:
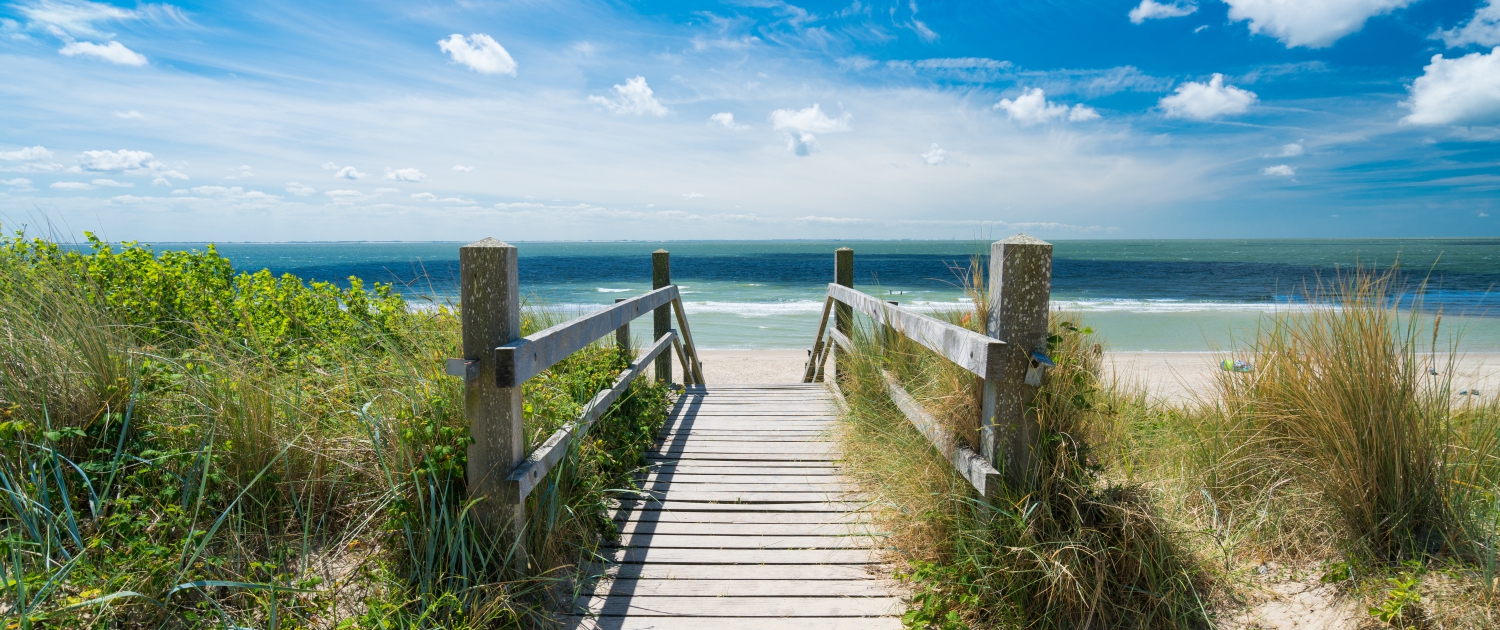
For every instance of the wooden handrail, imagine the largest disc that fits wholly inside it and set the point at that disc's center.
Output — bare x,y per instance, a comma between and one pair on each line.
984,477
519,360
535,467
979,354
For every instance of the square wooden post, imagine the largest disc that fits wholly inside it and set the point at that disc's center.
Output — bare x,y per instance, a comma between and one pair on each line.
843,314
490,307
1020,291
622,339
661,276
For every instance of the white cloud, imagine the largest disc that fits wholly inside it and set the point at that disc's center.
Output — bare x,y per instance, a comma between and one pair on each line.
1483,29
1310,23
118,161
161,181
382,191
112,183
935,156
480,53
130,115
462,169
799,125
404,174
20,182
113,52
1152,10
1204,101
348,172
330,166
1292,150
298,189
1461,91
37,152
1032,108
692,195
424,196
71,186
635,97
725,120
1280,170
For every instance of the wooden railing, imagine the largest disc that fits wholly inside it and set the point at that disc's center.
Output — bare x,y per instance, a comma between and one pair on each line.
498,362
1019,288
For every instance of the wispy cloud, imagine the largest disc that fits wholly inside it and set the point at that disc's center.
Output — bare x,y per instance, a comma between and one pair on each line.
1152,10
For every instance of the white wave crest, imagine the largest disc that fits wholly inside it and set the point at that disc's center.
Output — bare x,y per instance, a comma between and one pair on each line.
605,290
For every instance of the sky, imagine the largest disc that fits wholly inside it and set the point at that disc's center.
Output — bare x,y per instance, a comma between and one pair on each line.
585,120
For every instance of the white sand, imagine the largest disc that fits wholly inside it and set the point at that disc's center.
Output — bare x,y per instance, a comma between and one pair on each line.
1177,376
1168,376
744,367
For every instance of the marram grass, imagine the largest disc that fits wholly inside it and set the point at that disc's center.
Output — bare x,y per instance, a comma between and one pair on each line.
184,445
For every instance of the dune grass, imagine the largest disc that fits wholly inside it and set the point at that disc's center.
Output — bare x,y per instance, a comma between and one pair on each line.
184,445
1343,453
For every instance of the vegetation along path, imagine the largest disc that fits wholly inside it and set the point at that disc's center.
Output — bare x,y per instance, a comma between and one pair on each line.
749,524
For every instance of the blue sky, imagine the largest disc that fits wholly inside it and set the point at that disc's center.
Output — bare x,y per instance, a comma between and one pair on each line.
573,120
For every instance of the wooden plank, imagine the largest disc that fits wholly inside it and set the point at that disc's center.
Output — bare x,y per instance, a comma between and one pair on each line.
969,464
740,556
534,468
727,623
669,571
766,483
742,517
837,507
721,446
972,351
657,541
697,468
629,587
519,360
743,457
750,497
750,529
643,606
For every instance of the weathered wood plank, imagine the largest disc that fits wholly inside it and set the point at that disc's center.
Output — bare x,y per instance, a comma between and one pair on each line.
743,457
837,507
519,360
750,529
756,482
729,623
768,541
741,556
629,587
644,606
741,517
698,468
972,351
968,463
686,495
669,571
717,446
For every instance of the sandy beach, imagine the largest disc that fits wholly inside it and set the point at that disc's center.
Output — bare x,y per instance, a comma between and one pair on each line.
1168,376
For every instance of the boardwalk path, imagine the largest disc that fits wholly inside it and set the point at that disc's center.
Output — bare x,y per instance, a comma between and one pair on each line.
754,526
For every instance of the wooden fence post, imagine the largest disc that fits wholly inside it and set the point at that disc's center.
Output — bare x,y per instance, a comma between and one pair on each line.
490,305
1020,286
843,314
622,339
661,276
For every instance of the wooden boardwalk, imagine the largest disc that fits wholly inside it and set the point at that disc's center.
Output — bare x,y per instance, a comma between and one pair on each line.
750,525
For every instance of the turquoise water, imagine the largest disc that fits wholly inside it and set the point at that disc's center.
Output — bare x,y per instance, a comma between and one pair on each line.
1160,295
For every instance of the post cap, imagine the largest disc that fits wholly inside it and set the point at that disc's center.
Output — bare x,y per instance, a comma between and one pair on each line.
489,242
1023,239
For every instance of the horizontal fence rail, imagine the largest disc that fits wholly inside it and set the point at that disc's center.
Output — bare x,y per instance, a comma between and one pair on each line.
977,353
972,351
518,361
535,467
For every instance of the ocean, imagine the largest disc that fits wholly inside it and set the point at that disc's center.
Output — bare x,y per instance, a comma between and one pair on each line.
1139,295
